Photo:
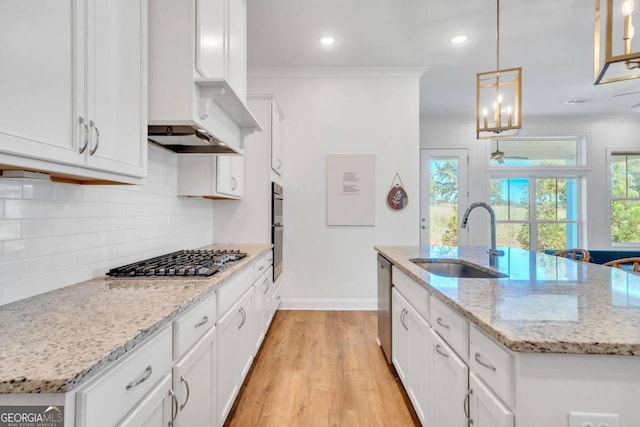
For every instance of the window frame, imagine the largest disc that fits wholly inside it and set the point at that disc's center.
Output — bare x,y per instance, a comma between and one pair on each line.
610,153
533,176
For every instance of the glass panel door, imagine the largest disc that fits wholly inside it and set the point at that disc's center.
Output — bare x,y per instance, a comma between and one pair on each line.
444,196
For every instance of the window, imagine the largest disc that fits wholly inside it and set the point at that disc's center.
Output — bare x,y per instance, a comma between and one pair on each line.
625,198
535,187
536,213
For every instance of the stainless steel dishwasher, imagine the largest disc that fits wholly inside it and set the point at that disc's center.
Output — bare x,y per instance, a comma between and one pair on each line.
384,306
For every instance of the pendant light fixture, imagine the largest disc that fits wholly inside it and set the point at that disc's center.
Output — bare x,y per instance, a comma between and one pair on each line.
498,97
613,56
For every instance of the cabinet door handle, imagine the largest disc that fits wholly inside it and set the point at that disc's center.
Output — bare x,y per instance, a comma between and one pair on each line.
204,320
145,376
403,315
182,380
261,268
486,365
268,285
235,183
84,123
244,317
466,405
439,350
279,164
95,148
174,407
441,323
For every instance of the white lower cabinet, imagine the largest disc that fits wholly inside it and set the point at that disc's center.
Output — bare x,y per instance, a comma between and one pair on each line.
411,353
156,408
194,384
449,385
235,350
486,410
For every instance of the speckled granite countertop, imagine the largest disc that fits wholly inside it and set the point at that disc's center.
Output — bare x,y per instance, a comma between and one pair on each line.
53,342
546,305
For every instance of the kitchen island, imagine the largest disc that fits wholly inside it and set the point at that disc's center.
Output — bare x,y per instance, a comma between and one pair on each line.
565,334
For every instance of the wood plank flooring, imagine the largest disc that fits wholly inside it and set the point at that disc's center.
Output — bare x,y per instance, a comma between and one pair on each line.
322,368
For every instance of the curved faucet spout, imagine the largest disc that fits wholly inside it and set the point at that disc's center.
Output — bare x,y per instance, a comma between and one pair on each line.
493,252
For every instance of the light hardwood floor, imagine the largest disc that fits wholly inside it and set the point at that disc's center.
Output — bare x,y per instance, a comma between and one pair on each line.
322,368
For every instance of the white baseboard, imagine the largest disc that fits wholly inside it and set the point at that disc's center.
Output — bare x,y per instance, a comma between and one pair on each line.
329,304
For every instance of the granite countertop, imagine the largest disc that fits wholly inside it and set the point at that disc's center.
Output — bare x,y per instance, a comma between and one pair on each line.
53,342
546,304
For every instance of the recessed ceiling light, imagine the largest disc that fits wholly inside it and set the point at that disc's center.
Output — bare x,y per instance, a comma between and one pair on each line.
459,39
327,41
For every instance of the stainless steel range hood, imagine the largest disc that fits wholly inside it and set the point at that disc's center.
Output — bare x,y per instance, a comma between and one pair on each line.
187,139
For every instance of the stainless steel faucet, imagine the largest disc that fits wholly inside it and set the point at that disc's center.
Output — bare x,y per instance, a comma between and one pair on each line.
493,252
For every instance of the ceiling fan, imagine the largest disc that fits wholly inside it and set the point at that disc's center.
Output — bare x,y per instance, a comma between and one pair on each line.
499,155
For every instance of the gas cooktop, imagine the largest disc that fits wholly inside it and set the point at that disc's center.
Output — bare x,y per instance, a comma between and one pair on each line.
198,262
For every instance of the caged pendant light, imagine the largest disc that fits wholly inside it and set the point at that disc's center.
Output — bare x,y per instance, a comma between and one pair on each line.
613,56
498,97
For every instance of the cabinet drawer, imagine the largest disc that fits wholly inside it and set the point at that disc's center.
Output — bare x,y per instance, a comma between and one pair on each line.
491,362
192,325
230,292
259,267
450,326
413,292
106,400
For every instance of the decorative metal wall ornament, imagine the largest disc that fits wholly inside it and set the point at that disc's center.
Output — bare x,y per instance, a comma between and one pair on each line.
498,97
397,198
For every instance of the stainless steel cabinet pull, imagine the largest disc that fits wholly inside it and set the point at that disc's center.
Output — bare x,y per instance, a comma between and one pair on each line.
486,365
466,404
403,316
279,164
174,407
244,317
188,392
84,123
95,148
204,320
261,268
439,350
235,183
268,285
441,323
145,376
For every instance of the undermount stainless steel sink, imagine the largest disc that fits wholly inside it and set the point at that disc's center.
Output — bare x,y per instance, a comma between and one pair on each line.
456,268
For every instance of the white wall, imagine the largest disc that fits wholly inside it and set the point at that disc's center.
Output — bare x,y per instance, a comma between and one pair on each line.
601,134
335,267
54,234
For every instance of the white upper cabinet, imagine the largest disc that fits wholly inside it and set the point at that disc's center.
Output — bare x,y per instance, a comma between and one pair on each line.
197,59
210,176
73,85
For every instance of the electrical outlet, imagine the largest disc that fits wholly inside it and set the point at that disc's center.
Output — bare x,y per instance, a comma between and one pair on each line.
584,419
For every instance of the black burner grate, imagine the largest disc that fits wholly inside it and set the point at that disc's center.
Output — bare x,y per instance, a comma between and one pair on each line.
198,262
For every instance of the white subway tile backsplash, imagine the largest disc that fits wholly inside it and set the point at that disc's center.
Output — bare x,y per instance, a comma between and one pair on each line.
78,232
18,249
18,208
66,192
37,227
10,188
9,271
37,190
10,230
52,245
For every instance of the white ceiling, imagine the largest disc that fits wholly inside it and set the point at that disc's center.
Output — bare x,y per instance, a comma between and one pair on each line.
552,40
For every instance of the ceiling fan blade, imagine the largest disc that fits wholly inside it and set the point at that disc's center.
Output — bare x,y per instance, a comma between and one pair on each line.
516,157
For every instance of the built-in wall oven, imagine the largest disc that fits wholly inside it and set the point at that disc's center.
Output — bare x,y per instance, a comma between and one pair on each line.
277,228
